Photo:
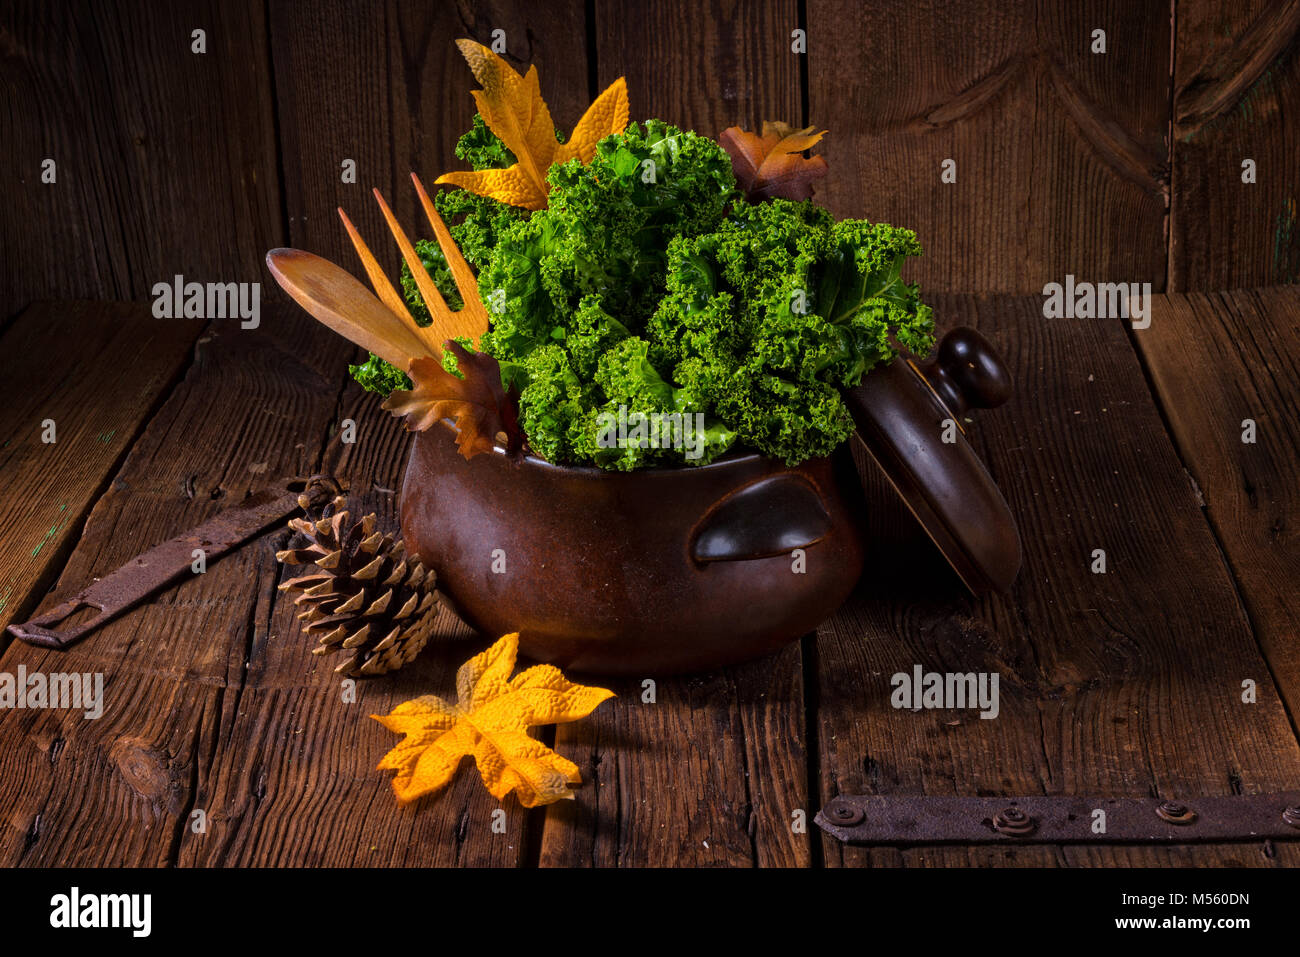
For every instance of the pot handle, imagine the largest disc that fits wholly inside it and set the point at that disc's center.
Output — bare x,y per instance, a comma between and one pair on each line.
773,516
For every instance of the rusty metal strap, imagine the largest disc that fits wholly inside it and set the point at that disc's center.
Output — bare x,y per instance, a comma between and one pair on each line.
894,819
145,574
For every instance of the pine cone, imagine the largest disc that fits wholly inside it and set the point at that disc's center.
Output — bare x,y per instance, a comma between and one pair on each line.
368,600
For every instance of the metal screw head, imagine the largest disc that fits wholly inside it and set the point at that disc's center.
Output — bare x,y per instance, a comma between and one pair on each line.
1175,813
1291,815
843,813
1014,822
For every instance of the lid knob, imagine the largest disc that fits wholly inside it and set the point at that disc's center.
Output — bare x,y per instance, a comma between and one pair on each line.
967,373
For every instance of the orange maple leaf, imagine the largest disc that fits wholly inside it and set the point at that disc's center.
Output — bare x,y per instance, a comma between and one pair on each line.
772,165
490,721
512,107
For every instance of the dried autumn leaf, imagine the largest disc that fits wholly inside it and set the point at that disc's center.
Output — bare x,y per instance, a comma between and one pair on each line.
512,107
606,116
773,165
481,408
490,721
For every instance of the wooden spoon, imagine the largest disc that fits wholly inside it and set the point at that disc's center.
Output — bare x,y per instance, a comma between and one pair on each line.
334,297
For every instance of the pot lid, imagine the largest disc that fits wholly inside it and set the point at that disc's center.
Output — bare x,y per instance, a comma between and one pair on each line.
909,416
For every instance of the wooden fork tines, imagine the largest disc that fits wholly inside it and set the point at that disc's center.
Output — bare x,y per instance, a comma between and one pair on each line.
470,321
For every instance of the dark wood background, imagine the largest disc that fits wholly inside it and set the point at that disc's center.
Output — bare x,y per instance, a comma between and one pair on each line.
1125,166
1122,166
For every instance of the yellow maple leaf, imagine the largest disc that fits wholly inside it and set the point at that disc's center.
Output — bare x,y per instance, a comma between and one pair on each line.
512,107
490,721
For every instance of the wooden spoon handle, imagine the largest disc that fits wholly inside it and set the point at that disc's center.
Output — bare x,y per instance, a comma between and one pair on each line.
336,298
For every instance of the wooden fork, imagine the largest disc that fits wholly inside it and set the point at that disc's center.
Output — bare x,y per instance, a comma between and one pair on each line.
470,321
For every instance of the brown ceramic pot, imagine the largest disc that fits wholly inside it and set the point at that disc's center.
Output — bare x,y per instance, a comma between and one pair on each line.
650,572
667,570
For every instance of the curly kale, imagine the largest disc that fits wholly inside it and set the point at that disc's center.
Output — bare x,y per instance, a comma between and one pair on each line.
483,149
604,233
376,375
769,316
579,278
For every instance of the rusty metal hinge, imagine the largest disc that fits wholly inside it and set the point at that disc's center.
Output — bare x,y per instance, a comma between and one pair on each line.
895,819
145,574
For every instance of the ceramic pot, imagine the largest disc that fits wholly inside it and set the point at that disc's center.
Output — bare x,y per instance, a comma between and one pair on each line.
650,572
659,571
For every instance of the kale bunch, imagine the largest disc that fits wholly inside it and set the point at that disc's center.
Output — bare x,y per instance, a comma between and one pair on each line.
649,286
570,291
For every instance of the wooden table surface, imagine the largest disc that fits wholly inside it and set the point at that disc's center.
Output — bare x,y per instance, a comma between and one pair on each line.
1127,683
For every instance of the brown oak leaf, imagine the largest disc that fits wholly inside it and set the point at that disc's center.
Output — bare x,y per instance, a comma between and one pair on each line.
773,165
483,411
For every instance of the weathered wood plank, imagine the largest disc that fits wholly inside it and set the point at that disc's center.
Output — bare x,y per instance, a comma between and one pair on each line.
120,790
712,772
1217,360
1127,682
702,66
396,101
709,774
1236,95
95,370
165,158
1060,153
